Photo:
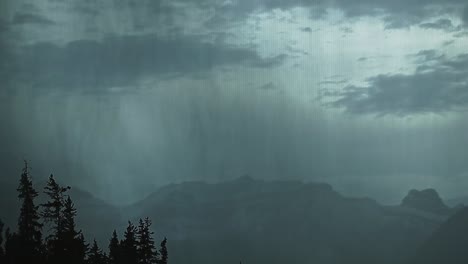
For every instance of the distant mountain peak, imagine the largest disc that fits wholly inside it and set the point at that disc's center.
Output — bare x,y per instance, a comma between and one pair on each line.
425,200
245,178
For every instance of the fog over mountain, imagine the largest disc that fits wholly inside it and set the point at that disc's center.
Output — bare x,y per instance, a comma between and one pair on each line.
120,97
343,109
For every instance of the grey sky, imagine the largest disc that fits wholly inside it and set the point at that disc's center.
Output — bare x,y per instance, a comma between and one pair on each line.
121,96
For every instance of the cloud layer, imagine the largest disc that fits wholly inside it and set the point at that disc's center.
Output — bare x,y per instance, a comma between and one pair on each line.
438,85
396,14
122,61
120,95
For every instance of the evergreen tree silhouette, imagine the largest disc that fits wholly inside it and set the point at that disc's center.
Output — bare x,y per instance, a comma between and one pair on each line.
52,209
163,252
69,213
96,256
29,228
66,244
129,245
12,249
114,249
82,248
72,240
2,252
147,253
53,213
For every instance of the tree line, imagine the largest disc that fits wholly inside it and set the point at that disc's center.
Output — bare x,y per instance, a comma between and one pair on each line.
64,243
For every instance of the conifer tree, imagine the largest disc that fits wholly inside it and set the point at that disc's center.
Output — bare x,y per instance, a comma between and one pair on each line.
82,248
66,245
114,249
52,209
68,224
163,252
2,252
72,240
96,256
29,228
53,213
129,245
12,249
147,253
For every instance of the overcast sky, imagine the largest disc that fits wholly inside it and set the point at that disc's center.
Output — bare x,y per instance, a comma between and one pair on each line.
121,96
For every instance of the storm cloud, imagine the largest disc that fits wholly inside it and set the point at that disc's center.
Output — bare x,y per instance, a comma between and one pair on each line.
30,18
443,24
396,14
438,85
119,97
122,61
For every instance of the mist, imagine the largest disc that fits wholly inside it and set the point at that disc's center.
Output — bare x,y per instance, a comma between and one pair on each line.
249,131
121,99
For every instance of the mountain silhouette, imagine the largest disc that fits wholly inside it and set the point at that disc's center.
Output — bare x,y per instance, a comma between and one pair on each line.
426,200
261,222
448,243
300,222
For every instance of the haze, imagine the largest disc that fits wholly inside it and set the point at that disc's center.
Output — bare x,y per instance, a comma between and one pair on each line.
119,97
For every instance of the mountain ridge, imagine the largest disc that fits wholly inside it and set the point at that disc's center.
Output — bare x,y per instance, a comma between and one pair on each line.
312,221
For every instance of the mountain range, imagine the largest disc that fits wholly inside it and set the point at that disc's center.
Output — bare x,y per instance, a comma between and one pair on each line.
256,221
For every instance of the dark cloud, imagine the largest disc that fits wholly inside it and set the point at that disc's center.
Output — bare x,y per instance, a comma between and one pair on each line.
294,50
448,42
141,14
464,15
425,56
29,7
441,24
438,85
82,8
346,30
122,61
269,86
3,26
265,62
461,34
147,13
118,146
7,60
30,18
331,82
397,13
